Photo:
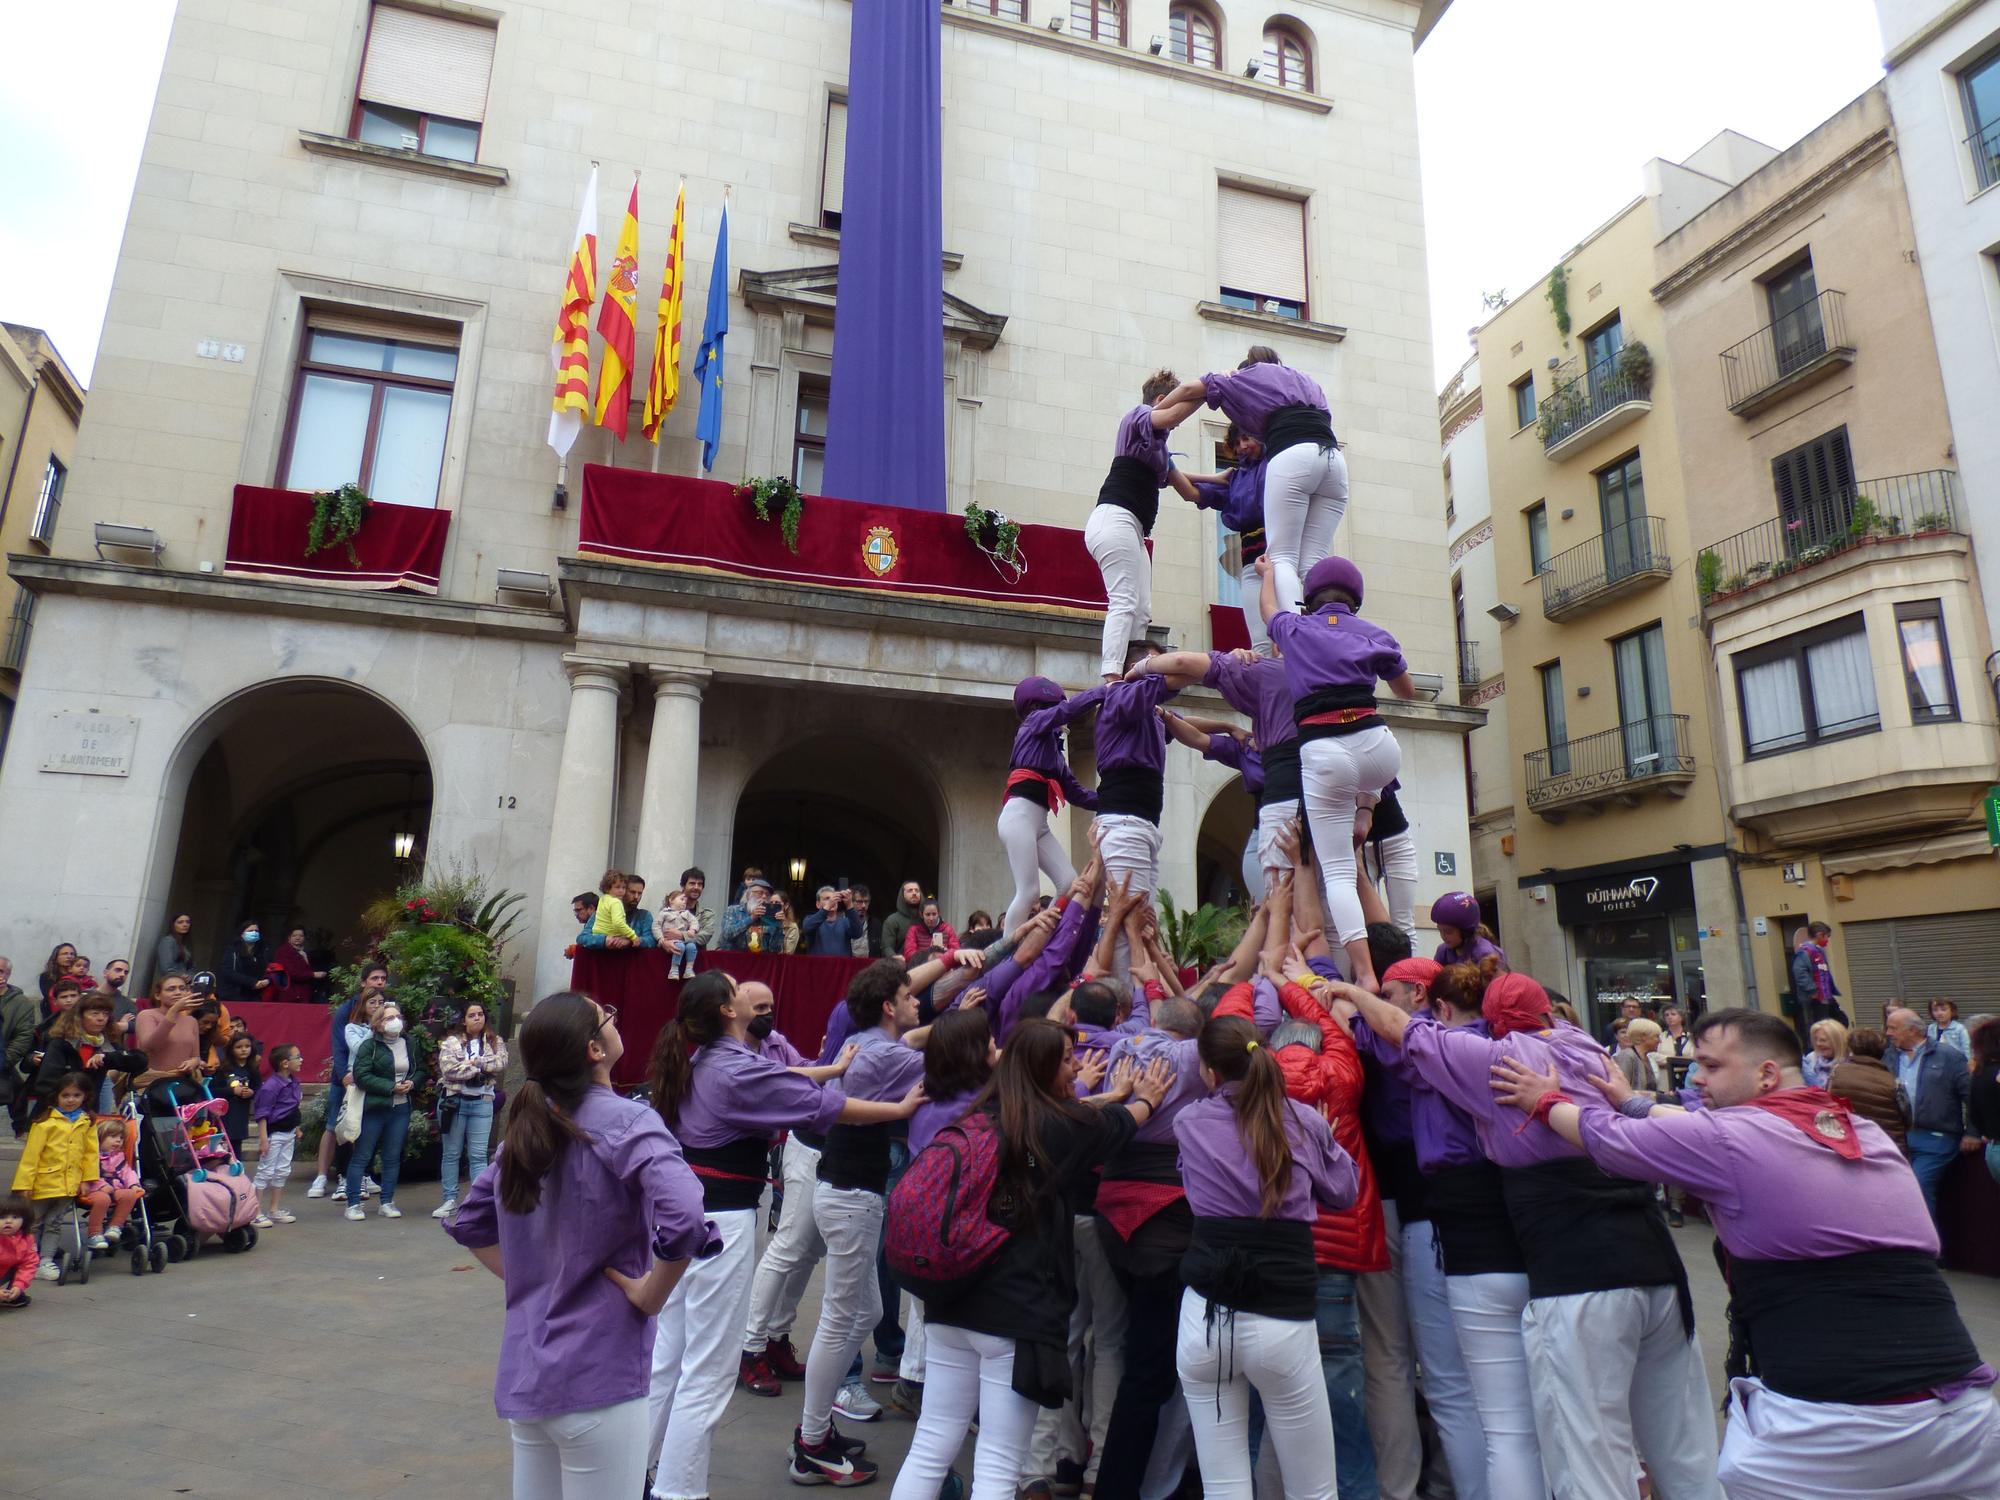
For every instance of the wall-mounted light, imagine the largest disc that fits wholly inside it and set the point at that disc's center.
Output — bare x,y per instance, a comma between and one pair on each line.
1157,45
406,845
1055,23
136,538
798,869
1250,69
1506,614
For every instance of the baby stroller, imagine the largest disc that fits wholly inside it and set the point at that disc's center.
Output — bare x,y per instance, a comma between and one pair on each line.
194,1184
148,1249
73,1256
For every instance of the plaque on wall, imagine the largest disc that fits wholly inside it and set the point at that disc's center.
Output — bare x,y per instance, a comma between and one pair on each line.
89,744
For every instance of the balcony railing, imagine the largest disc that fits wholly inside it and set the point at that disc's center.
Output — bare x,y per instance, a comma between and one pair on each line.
1468,664
1617,764
20,624
1985,149
1788,353
1870,512
1628,556
1580,406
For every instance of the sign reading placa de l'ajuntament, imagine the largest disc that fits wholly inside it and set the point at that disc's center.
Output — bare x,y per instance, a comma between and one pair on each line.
86,744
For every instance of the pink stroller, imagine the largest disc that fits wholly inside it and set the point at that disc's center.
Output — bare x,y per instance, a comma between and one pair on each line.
217,1193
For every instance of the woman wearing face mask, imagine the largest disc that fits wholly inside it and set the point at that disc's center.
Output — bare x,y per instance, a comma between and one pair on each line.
241,976
387,1069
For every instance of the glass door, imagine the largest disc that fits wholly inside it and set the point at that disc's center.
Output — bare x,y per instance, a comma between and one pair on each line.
1553,718
1644,708
1621,500
1798,335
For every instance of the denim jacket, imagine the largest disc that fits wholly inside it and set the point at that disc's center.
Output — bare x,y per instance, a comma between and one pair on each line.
1937,1087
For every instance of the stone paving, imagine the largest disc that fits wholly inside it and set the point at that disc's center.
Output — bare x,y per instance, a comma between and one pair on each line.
344,1359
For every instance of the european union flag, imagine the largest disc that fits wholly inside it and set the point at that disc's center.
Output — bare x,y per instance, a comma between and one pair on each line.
708,362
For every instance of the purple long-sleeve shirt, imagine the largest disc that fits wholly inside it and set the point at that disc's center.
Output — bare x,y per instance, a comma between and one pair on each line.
778,1047
1139,438
1038,744
1333,647
277,1097
622,1196
1240,497
883,1068
1442,1132
1129,732
1459,1064
1258,690
1184,1058
1471,953
1248,396
735,1092
1009,982
1227,750
1222,1181
839,1027
934,1114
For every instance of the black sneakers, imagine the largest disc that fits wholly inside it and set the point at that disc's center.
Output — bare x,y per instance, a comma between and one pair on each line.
833,1461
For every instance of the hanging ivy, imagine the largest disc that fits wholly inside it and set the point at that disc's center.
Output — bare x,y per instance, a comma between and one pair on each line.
336,520
777,490
1558,295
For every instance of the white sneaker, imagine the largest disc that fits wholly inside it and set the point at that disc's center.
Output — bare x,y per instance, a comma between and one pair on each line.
49,1271
318,1189
339,1192
390,1211
370,1188
99,1242
262,1221
445,1209
285,1216
354,1211
856,1404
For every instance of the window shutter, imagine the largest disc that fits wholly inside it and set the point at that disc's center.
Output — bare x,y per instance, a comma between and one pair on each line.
1896,960
1840,461
835,171
359,323
433,64
1263,244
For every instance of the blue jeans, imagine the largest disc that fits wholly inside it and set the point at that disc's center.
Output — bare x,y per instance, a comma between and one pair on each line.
683,953
471,1130
1931,1152
1339,1322
386,1126
889,1332
1993,1159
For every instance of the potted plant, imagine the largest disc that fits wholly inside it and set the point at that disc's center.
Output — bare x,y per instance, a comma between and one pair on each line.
1635,366
1708,573
992,532
1203,936
769,490
336,519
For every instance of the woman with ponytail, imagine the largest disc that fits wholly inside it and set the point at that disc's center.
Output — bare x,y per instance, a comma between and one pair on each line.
1255,1163
724,1100
589,1216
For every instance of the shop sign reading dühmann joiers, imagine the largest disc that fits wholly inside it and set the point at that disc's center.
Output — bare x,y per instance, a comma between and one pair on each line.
1609,897
91,744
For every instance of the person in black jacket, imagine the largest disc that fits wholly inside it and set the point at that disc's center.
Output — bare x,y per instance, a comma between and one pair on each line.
80,1041
998,1347
242,974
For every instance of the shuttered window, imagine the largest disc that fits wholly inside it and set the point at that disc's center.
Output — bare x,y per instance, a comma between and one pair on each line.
1903,959
1815,486
833,164
424,80
1262,251
1191,36
1099,20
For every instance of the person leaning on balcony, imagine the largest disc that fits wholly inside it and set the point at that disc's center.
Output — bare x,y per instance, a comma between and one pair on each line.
752,925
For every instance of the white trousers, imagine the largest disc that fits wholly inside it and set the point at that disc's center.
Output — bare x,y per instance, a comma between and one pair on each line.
1251,586
1253,868
1446,1386
1486,1311
850,1220
915,1344
1397,870
1118,547
1033,850
789,1256
1780,1448
695,1357
1386,1356
971,1375
1280,1357
581,1455
1272,817
1305,495
1613,1376
1336,770
1130,848
1076,1432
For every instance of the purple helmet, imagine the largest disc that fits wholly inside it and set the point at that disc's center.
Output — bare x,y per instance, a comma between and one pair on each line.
1457,909
1334,572
1031,693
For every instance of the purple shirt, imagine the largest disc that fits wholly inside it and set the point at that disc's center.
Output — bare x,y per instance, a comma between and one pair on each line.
1442,1132
1248,396
735,1092
1458,1064
1385,1100
1055,967
1139,438
778,1047
1227,750
620,1197
839,1027
883,1069
1129,733
1240,497
1184,1057
1259,691
934,1114
1222,1183
277,1096
1038,744
1333,647
1472,953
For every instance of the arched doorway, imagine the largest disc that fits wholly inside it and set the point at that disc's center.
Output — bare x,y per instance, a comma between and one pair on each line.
839,807
308,800
1218,850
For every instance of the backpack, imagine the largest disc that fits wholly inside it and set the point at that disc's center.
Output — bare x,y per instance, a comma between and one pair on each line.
939,1232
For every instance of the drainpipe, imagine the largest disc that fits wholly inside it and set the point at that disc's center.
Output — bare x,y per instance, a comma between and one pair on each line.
1743,953
13,464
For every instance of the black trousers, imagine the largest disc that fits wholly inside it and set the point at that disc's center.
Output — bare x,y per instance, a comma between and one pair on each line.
1152,1329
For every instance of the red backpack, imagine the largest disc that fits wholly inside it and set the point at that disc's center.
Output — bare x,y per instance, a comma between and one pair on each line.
938,1231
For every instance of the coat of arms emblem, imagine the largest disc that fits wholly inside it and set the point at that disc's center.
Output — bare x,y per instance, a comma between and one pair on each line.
879,550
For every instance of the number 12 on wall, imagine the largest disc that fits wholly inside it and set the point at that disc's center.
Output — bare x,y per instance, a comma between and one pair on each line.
509,803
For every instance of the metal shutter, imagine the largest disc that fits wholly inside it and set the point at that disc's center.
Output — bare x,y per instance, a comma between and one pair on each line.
834,173
1920,959
432,64
1263,244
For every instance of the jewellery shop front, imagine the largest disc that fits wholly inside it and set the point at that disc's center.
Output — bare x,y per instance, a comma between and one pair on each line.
1635,935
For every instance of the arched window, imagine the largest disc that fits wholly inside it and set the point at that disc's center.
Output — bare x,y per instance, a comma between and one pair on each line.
1098,20
1006,10
1192,37
1287,63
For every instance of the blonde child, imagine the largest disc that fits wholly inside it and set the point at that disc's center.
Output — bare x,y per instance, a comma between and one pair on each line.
116,1186
275,1111
610,923
59,1156
678,928
18,1255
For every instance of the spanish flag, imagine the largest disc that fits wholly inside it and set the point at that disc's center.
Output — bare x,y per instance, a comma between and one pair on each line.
569,349
663,385
617,320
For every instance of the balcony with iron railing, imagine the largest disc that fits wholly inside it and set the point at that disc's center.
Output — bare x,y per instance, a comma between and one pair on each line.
1803,346
1869,513
1583,406
1627,557
1617,765
1468,664
1985,148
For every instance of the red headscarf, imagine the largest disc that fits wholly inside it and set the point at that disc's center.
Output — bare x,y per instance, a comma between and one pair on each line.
1413,971
1514,1002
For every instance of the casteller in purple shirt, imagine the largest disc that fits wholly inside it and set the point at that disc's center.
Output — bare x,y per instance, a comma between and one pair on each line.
1479,948
1333,647
1248,396
1221,1182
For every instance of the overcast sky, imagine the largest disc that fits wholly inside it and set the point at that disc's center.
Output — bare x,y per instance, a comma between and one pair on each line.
1536,117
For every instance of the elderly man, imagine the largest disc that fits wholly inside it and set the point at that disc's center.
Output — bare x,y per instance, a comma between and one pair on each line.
1628,1010
752,924
1937,1079
1824,1236
830,929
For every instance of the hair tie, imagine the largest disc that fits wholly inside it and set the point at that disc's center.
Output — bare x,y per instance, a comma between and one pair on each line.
1251,1045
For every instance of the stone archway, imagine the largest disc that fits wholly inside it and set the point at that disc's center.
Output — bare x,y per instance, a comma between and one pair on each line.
1218,855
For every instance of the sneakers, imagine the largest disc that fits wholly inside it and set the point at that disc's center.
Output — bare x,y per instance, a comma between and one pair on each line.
285,1216
855,1404
886,1371
50,1270
828,1463
445,1209
263,1221
390,1211
1675,1219
99,1242
1068,1478
784,1360
318,1189
755,1374
370,1188
339,1194
906,1398
354,1212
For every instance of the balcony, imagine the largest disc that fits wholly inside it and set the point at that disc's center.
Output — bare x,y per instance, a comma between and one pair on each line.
1628,557
1985,149
1581,408
399,548
1618,765
1803,346
1468,664
1871,513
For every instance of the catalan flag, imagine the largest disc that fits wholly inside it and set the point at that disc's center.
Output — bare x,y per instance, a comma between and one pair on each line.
569,348
663,385
708,359
617,320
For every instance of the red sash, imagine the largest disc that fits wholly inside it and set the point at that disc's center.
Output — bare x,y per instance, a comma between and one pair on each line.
1126,1206
1337,716
1022,776
1819,1116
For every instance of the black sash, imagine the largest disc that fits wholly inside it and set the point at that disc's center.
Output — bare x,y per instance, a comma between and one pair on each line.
1036,792
1390,819
1396,1174
1282,779
1132,486
1468,1209
1857,1329
732,1176
1328,700
856,1156
1289,426
1583,1231
1262,1266
1133,790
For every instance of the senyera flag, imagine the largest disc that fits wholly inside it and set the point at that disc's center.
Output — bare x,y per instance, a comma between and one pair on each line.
663,384
569,348
617,320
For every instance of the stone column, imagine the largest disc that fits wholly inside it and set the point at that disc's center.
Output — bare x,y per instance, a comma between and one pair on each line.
667,802
580,825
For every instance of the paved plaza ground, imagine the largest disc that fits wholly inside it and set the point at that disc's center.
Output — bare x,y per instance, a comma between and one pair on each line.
357,1360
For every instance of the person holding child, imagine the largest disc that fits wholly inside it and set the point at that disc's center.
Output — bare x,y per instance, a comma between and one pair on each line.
609,923
275,1112
60,1154
114,1187
470,1059
678,930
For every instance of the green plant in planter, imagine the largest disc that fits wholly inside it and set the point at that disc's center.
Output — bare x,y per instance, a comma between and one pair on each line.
763,493
1866,520
1708,573
1933,520
1732,583
1203,936
993,533
1558,295
336,519
1635,365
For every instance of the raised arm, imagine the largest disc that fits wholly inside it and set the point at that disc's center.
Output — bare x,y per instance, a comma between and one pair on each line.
1184,730
1188,393
1183,486
1169,413
1182,668
1267,591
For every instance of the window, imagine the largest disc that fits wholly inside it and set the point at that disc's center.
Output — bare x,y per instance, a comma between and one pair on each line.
833,164
1798,335
1524,400
1600,349
1644,707
1807,689
1621,502
1815,486
20,623
1554,722
1099,20
370,407
1538,539
48,504
809,435
1191,37
1926,662
1981,86
1006,10
1287,62
423,83
1262,251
